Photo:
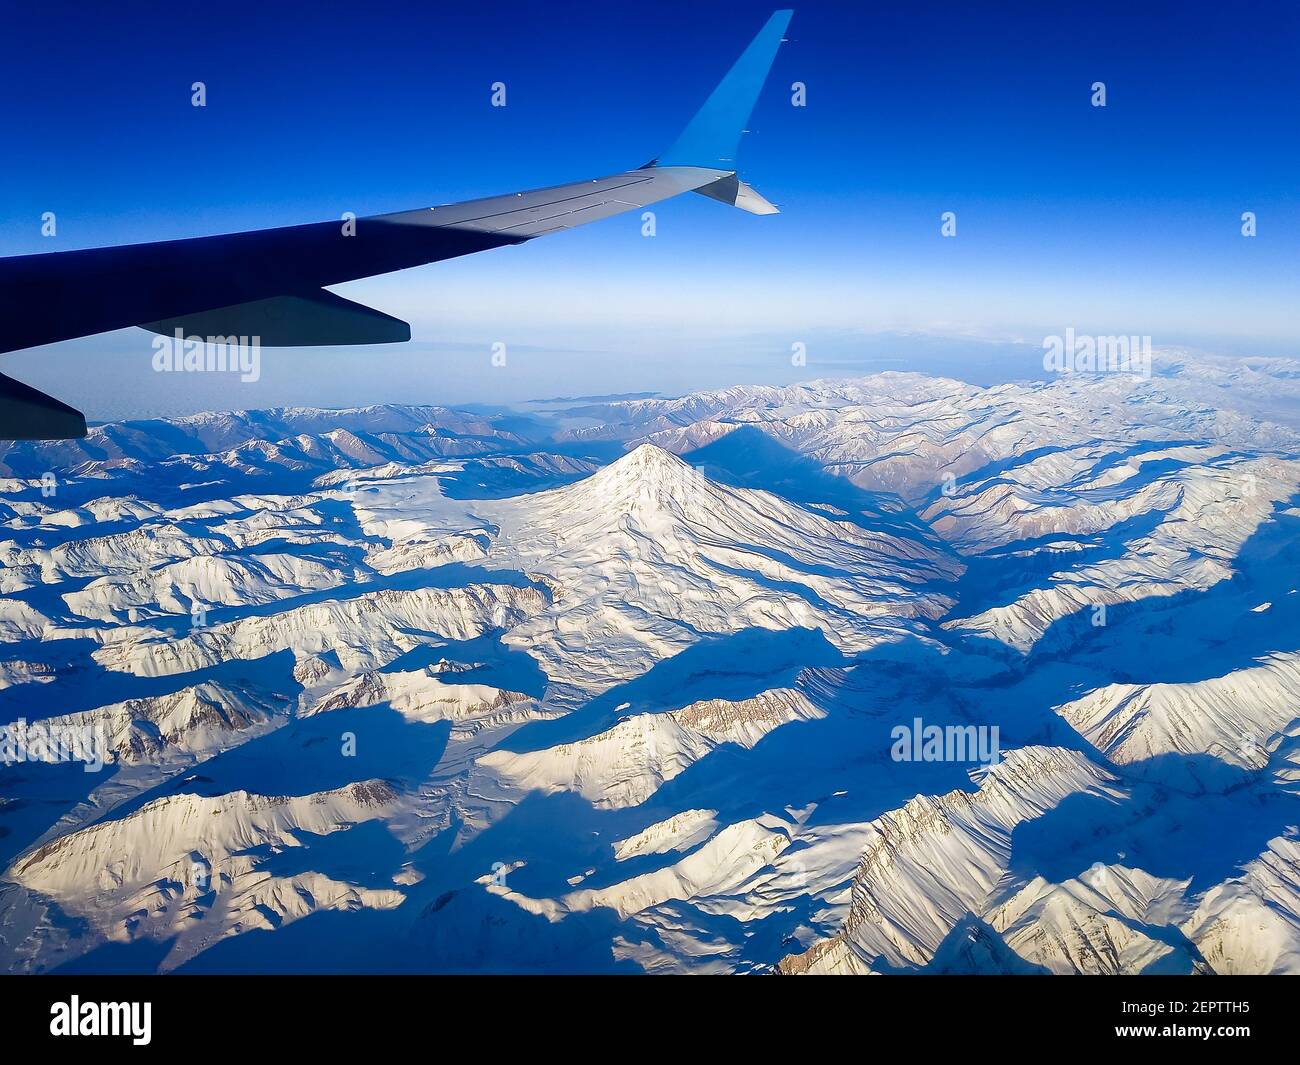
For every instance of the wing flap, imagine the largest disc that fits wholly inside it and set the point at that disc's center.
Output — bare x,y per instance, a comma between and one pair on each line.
29,414
315,319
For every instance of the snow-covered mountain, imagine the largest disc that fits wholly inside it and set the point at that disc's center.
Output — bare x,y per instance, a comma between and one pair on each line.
620,686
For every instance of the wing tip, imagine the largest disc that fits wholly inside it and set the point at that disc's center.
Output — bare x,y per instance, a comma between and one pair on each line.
713,134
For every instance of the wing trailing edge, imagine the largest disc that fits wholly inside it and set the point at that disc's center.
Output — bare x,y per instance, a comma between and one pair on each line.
317,319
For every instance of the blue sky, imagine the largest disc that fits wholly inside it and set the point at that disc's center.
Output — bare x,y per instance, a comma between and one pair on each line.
1122,219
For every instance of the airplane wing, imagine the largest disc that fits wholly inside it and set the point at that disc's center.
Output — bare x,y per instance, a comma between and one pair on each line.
272,283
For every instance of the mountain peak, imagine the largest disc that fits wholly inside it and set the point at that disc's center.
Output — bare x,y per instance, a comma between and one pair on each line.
647,474
650,458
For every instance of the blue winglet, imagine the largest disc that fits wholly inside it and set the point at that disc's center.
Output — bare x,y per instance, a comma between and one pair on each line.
713,135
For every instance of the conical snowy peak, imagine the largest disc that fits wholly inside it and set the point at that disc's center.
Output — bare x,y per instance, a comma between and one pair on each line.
645,479
648,554
650,460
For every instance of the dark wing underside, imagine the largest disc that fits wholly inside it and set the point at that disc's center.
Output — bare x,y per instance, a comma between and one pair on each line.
270,284
47,298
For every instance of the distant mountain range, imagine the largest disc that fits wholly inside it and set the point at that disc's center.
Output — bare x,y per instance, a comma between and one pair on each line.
615,686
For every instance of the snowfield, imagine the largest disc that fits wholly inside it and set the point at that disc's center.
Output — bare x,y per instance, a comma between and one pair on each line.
611,688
